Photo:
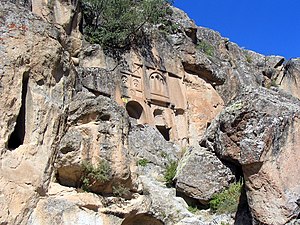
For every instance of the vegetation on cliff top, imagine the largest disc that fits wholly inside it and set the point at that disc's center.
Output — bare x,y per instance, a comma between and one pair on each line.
118,23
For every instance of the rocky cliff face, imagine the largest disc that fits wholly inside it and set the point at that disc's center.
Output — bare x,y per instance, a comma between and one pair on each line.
86,137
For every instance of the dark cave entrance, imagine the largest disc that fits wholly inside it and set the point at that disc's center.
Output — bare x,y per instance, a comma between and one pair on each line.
164,131
17,137
134,109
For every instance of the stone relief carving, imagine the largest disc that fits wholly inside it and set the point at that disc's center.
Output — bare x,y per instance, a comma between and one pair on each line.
136,83
157,84
149,87
124,79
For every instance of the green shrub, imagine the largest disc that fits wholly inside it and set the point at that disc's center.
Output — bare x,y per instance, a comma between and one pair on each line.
169,27
120,191
193,209
163,154
224,223
273,83
226,201
249,58
205,47
142,162
92,174
116,23
170,173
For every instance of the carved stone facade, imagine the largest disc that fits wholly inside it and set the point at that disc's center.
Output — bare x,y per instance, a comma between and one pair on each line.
155,89
158,91
155,96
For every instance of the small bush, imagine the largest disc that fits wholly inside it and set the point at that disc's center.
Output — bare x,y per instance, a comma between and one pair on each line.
170,173
163,155
120,191
92,174
224,223
249,59
192,209
169,27
271,83
205,47
142,162
226,201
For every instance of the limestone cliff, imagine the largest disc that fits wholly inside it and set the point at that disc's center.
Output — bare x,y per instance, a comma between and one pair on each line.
87,135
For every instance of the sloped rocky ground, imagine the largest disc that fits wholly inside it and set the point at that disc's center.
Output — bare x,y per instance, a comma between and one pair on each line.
59,115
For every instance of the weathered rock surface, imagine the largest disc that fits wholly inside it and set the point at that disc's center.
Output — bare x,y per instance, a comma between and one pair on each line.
260,132
288,79
97,131
35,80
147,143
200,175
65,102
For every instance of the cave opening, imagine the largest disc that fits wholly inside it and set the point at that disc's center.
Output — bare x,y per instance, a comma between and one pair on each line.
243,213
134,109
105,117
165,132
17,137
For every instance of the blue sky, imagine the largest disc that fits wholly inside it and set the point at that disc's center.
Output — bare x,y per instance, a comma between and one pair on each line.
270,27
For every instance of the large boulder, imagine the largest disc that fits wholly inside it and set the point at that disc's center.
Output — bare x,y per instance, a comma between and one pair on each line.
97,130
260,132
290,78
201,175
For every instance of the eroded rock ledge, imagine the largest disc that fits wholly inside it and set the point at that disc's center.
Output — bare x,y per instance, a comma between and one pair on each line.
67,106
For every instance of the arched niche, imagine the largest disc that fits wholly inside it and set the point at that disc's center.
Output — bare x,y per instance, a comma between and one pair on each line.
158,84
134,110
142,219
157,112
